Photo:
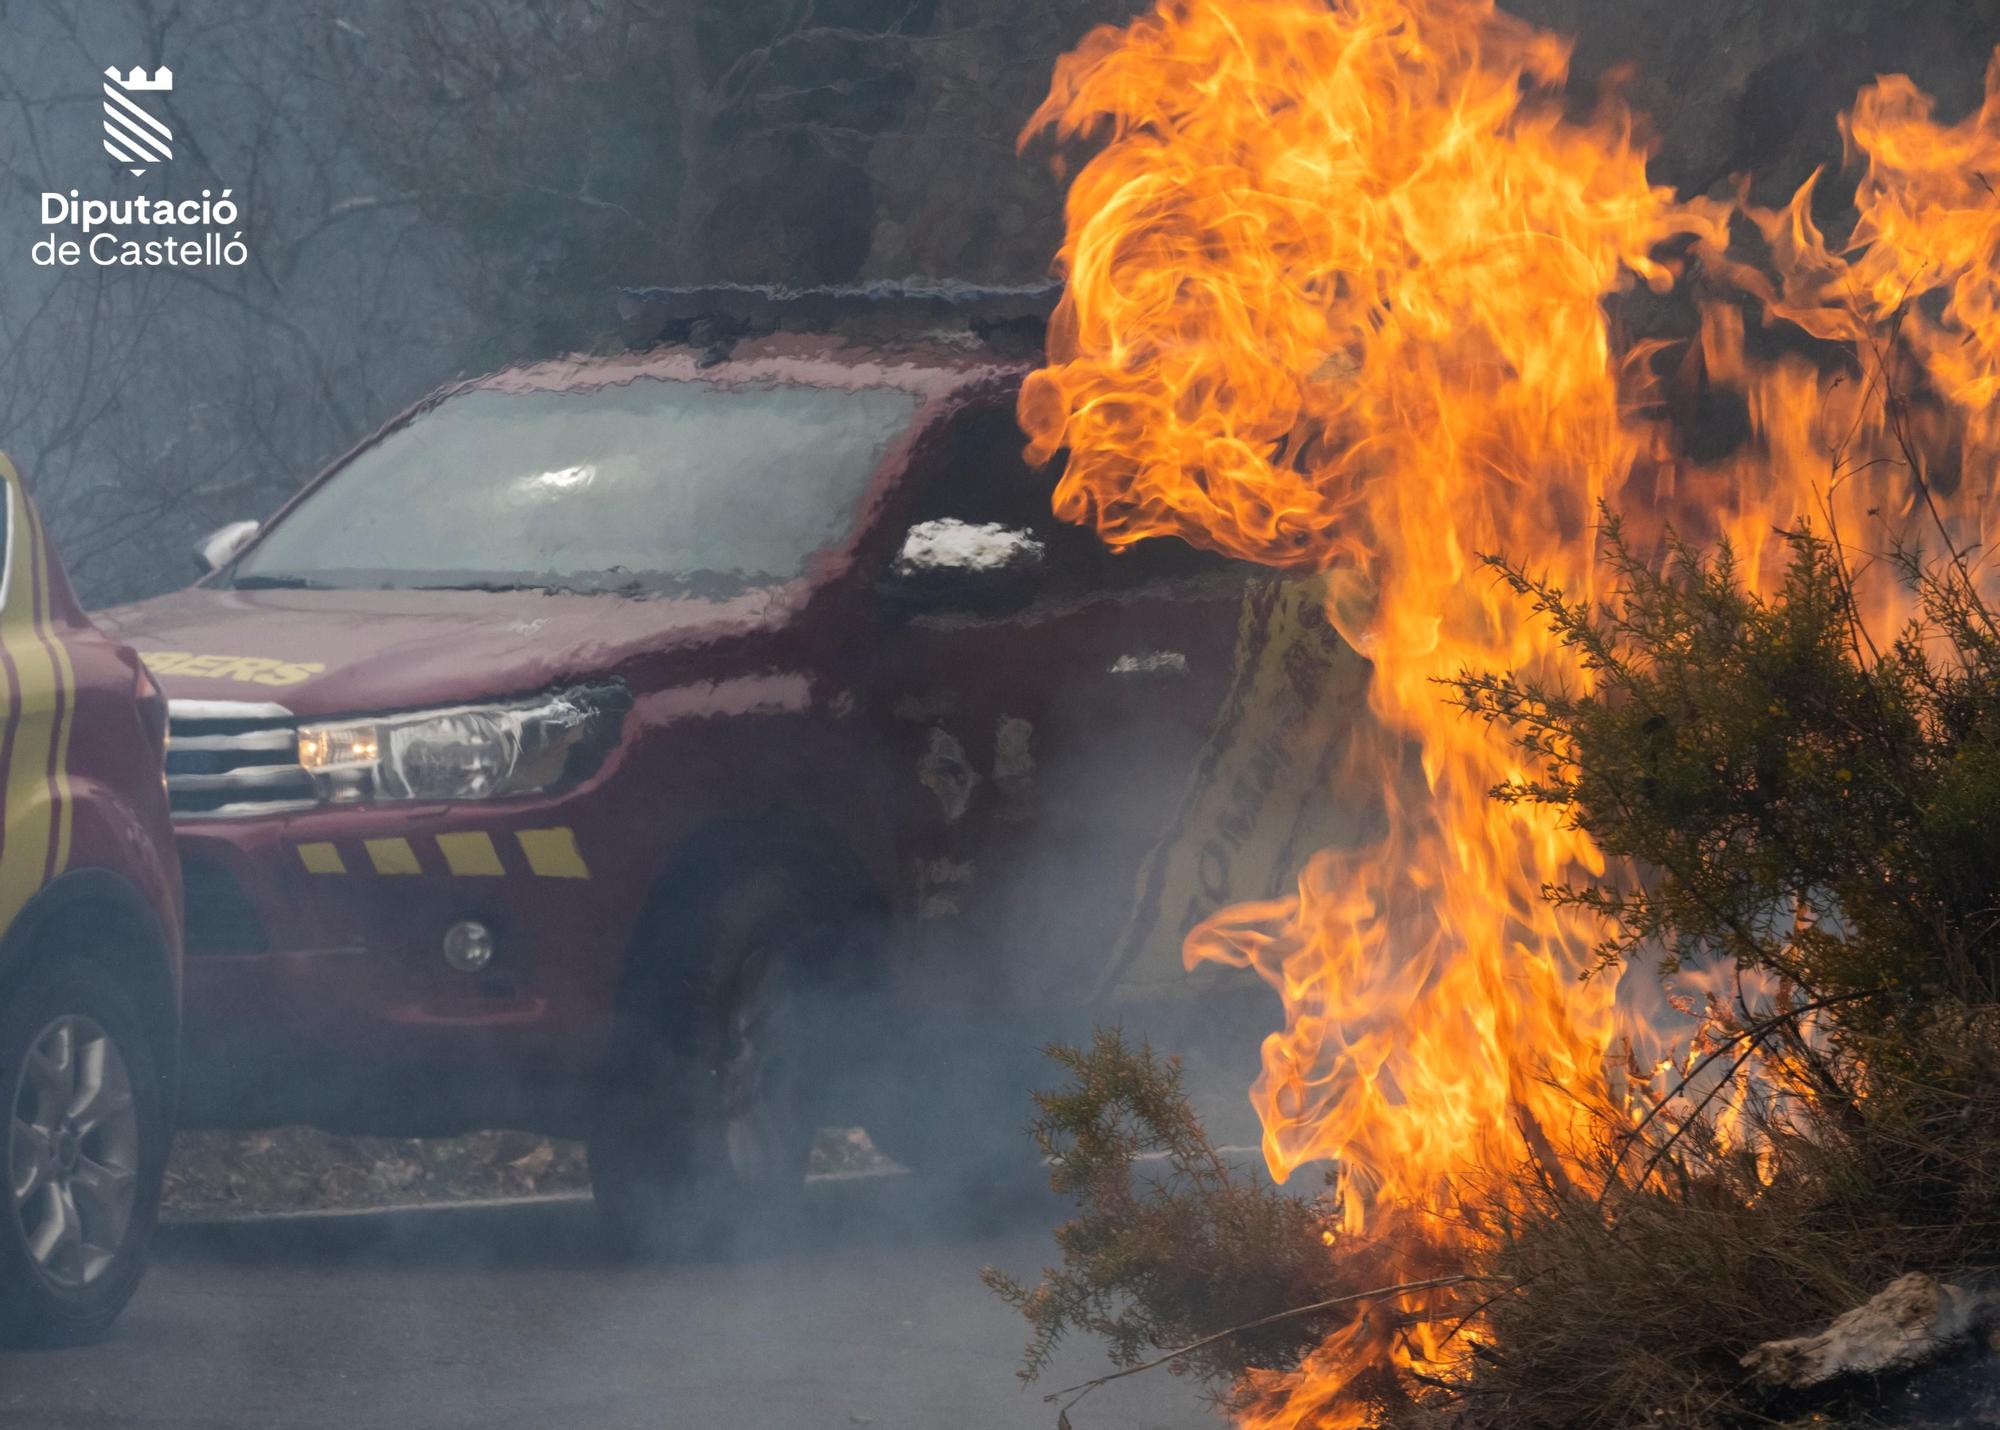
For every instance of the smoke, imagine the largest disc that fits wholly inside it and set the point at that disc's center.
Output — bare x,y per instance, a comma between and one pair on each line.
148,407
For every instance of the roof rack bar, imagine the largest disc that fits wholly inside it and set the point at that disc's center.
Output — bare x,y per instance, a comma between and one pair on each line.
717,315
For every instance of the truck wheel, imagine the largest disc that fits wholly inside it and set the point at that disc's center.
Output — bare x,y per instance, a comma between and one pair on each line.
86,1149
706,1106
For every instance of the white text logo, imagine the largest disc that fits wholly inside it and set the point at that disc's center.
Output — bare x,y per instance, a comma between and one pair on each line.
138,230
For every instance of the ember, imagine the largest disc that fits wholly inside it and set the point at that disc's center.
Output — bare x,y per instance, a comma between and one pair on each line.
1337,300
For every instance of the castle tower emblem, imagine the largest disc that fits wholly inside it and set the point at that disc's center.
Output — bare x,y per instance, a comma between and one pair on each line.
133,134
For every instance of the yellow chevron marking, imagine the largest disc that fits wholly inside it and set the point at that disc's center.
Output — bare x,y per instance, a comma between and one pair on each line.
471,854
552,853
392,856
322,859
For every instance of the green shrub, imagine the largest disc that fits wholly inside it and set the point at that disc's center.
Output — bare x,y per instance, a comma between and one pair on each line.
1803,802
1171,1241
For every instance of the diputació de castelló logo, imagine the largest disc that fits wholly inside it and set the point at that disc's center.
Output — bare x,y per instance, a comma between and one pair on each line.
170,233
133,134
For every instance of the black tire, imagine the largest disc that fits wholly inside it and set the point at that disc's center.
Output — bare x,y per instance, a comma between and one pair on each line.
73,1290
707,1105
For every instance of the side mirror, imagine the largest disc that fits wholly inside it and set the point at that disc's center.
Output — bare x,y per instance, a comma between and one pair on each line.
959,563
219,547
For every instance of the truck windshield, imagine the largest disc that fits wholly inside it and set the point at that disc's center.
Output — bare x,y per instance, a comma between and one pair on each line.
651,486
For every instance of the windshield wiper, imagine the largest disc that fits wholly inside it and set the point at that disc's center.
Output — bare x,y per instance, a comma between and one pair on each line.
545,587
279,583
586,584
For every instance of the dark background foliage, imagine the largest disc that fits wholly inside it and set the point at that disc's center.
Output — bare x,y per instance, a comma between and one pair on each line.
438,187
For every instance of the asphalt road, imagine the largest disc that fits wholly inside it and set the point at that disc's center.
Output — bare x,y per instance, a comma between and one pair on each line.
868,1318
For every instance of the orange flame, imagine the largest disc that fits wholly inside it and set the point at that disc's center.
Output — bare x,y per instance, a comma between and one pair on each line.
1336,300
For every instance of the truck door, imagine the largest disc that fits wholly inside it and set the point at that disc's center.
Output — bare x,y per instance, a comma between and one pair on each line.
1092,750
1045,701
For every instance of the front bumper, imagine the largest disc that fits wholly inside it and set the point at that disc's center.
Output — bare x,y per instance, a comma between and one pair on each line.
315,939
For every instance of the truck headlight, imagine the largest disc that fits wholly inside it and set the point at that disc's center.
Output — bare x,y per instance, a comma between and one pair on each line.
467,752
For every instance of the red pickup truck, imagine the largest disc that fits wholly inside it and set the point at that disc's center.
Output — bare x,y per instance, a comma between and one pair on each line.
689,746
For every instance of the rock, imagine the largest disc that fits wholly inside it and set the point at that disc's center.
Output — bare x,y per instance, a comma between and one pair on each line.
1910,1322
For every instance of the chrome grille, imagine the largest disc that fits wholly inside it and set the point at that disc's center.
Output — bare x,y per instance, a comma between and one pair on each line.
229,758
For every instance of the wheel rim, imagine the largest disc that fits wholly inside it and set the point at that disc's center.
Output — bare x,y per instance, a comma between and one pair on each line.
73,1150
762,1135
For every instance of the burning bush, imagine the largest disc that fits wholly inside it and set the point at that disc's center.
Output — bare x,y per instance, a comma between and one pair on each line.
1812,800
1809,804
1341,285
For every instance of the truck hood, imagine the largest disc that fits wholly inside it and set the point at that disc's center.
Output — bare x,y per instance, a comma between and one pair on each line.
321,653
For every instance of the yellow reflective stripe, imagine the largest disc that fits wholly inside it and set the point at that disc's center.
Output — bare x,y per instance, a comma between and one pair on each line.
66,677
552,853
321,858
392,856
470,854
64,813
